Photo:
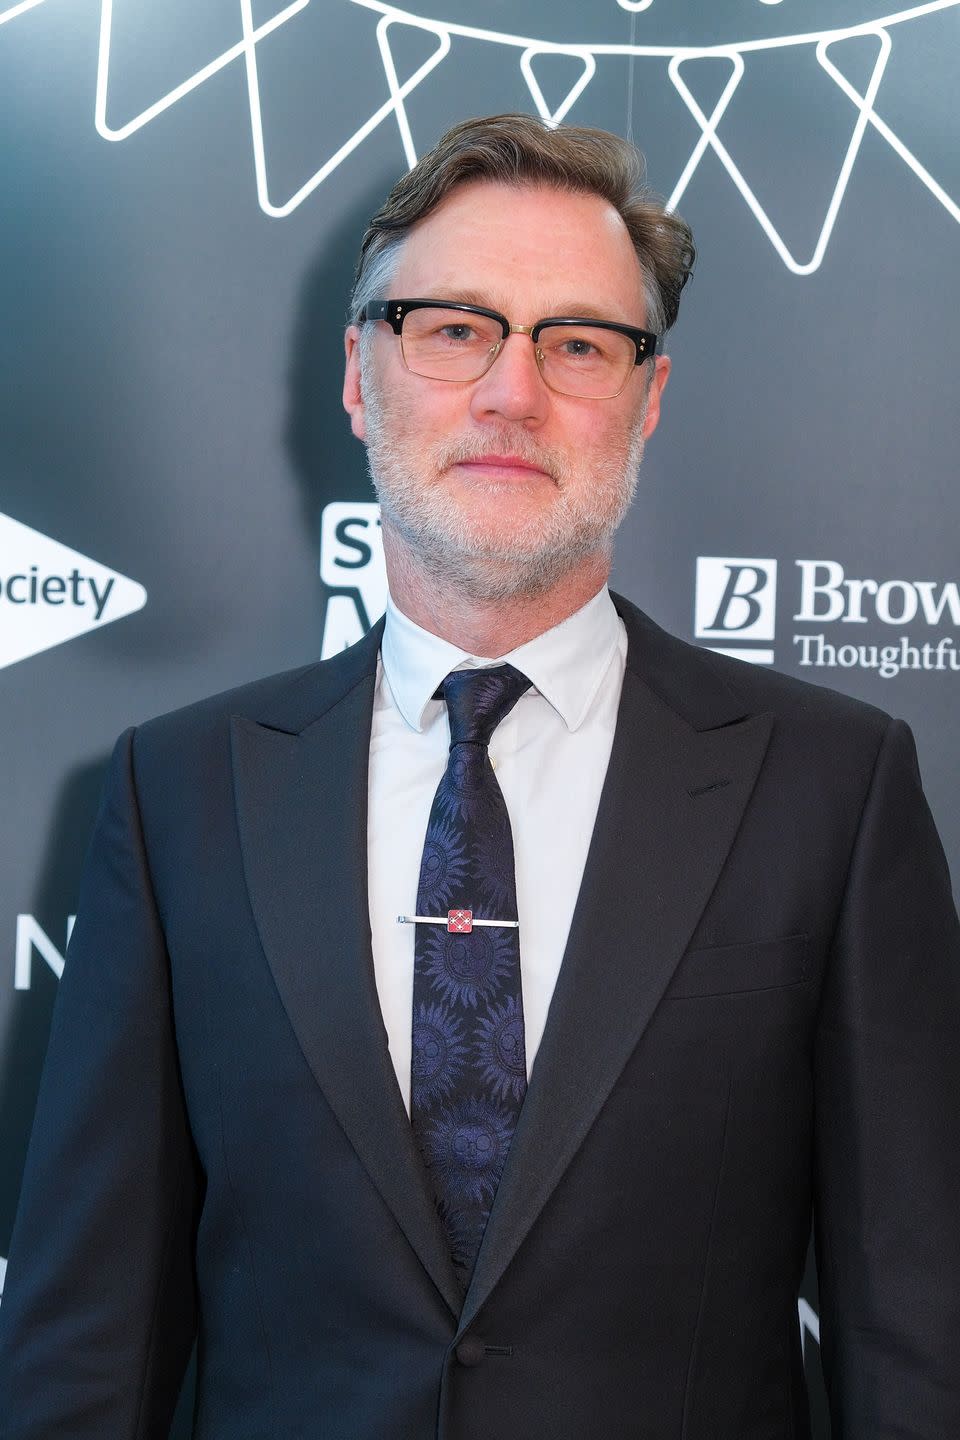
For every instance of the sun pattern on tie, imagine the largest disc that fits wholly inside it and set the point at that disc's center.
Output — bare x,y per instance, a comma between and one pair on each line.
468,969
468,1074
499,1051
444,865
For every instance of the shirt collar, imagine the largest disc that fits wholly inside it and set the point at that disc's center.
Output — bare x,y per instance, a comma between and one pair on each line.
565,664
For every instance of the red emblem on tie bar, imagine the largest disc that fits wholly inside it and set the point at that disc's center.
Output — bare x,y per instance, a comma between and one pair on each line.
460,922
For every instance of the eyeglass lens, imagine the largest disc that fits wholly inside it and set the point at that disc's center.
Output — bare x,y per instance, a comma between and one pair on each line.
579,360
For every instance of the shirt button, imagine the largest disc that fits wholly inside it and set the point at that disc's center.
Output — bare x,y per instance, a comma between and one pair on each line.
470,1350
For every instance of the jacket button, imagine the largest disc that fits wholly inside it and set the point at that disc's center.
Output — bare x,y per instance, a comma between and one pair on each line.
470,1350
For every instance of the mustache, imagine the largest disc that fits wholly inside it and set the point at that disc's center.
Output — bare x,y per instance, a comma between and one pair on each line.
461,452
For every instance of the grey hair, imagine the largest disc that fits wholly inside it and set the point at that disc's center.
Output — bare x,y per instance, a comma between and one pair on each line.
374,284
521,150
377,277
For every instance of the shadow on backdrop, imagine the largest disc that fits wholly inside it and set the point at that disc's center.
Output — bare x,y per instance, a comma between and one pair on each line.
25,1046
329,464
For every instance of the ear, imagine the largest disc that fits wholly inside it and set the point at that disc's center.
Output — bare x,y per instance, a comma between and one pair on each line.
352,389
661,374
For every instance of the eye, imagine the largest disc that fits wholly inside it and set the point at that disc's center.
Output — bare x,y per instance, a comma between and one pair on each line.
578,348
458,332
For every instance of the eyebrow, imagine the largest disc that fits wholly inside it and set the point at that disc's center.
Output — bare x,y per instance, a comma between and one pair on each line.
577,309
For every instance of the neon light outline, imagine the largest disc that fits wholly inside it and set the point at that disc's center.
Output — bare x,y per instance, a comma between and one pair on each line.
108,132
531,49
553,117
776,42
20,9
736,175
393,105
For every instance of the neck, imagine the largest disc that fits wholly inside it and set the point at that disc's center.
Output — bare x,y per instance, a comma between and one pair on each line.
488,628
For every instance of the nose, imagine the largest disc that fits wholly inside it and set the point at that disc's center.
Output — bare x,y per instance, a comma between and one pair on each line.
513,386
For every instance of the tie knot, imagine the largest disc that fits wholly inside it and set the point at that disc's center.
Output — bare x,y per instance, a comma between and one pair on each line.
477,700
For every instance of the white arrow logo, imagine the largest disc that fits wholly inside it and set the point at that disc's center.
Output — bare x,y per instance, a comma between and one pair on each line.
50,593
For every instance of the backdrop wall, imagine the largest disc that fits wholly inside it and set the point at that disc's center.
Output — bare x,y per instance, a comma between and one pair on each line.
181,504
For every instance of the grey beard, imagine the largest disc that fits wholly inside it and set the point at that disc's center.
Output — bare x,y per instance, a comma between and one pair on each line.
535,557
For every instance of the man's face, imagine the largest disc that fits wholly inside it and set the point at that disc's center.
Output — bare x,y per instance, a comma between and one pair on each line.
500,483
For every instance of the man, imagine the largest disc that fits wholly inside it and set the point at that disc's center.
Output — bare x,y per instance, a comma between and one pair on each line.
456,1176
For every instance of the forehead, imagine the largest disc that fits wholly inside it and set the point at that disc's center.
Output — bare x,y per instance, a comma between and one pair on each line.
524,248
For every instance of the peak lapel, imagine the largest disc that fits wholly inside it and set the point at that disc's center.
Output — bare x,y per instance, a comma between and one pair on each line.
302,812
663,831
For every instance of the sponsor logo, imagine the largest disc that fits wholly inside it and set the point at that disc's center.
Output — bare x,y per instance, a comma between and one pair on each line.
351,566
50,593
736,606
736,601
33,941
828,596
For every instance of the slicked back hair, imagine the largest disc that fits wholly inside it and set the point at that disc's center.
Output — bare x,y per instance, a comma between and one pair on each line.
521,150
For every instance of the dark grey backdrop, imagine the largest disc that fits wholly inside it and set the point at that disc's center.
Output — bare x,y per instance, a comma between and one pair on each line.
170,353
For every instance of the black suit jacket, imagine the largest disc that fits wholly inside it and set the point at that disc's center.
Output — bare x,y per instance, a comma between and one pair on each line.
757,1013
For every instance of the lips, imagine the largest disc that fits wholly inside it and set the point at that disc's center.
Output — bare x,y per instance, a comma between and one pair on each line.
504,465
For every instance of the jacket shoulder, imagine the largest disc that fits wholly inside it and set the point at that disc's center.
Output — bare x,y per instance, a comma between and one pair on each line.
788,695
287,702
250,700
708,688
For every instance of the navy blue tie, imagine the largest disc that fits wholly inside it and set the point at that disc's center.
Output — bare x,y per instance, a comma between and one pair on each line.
469,1073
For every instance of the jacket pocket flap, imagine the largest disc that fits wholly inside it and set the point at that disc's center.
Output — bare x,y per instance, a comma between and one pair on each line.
754,965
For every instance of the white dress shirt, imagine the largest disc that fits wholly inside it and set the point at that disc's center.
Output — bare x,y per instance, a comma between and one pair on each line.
550,756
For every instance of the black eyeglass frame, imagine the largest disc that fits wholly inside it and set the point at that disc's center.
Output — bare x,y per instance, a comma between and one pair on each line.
645,342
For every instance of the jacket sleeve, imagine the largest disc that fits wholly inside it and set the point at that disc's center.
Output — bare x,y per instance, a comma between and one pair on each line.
887,1104
98,1314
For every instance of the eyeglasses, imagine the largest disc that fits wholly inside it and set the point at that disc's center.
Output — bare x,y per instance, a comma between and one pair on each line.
444,340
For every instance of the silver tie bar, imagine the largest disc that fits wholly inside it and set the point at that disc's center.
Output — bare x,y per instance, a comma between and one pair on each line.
458,922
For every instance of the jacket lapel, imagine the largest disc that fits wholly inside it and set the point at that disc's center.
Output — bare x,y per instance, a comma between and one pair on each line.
301,796
681,771
684,762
